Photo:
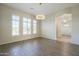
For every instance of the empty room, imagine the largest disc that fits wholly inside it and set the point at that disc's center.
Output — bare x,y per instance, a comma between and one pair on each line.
39,29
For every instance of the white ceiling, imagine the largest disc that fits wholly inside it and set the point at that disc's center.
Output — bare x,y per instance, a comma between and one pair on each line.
36,8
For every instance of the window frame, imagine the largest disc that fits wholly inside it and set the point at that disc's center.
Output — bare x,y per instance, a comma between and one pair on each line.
15,20
27,24
34,27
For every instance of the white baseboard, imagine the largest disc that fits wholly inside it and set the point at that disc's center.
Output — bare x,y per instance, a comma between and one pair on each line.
17,40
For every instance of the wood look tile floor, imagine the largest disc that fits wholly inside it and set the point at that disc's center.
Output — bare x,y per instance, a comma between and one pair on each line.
65,38
39,47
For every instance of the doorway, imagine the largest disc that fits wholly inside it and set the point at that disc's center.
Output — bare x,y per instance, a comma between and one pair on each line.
64,28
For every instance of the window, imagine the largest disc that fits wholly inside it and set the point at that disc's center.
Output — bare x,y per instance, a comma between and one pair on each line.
15,25
29,26
26,25
34,26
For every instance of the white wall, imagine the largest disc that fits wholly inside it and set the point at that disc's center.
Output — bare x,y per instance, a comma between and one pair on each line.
5,25
48,29
48,26
75,24
0,25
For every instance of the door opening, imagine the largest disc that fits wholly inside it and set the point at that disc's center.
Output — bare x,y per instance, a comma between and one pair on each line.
64,28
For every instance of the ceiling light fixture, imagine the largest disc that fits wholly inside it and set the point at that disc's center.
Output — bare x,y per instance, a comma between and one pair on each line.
40,17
